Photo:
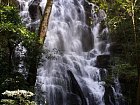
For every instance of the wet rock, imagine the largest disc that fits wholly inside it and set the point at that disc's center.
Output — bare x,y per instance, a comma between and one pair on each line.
91,55
76,88
112,97
114,92
91,98
73,99
88,8
35,13
92,63
103,61
109,96
103,73
35,10
101,15
87,39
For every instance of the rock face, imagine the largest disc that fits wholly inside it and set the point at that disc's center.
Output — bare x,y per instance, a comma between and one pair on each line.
109,96
103,73
87,41
76,90
88,8
73,99
103,61
35,13
35,10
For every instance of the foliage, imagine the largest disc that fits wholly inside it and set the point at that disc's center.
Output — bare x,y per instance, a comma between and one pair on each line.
7,15
9,2
128,79
13,33
12,30
123,20
13,81
120,21
117,11
21,97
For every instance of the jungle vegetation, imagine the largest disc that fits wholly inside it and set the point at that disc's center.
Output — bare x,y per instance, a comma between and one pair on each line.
123,20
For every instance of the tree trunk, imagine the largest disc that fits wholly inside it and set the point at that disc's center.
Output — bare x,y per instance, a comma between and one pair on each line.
136,49
42,34
45,20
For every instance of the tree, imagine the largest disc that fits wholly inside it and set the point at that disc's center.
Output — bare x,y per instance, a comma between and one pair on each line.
12,32
37,48
45,21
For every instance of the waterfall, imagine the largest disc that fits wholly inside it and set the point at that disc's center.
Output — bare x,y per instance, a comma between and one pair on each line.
24,13
69,73
55,78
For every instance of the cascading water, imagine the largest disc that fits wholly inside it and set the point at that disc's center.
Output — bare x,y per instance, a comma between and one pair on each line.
56,78
24,13
68,73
